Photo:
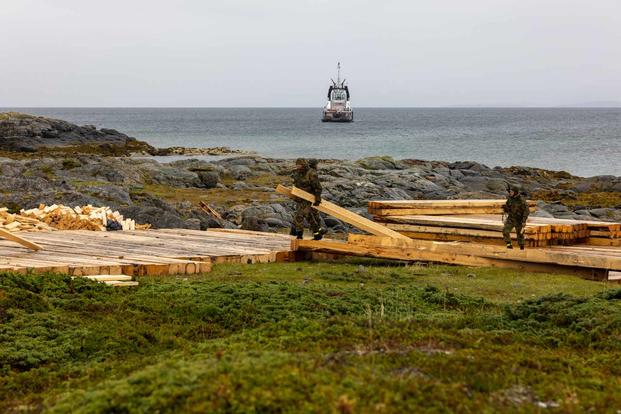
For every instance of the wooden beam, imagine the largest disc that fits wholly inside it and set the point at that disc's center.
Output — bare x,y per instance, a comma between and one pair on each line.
397,204
10,236
386,248
556,255
435,211
494,223
342,214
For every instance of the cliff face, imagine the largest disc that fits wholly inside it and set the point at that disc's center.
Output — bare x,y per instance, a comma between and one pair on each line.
28,133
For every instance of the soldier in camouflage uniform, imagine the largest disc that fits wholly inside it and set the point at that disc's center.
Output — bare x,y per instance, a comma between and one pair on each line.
316,217
306,179
516,211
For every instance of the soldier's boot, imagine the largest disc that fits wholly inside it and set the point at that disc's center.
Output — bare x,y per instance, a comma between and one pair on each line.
521,247
509,245
293,231
318,235
299,234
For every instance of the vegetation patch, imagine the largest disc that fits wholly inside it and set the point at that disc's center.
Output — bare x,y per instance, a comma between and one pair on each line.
219,196
311,337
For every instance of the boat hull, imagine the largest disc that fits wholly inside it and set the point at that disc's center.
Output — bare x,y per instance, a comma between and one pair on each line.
340,116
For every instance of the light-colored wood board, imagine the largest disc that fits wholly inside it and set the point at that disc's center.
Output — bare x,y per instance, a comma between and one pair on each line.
461,203
556,255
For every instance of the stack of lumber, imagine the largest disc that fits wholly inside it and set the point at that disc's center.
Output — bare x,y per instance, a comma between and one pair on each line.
604,233
564,232
486,229
79,218
481,221
380,208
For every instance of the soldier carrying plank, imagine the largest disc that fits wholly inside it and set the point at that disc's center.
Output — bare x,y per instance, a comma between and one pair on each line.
306,178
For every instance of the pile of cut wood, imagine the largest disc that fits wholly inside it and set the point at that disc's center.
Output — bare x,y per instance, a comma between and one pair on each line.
60,217
18,222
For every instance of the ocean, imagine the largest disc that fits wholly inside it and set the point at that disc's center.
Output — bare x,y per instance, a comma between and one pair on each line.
582,141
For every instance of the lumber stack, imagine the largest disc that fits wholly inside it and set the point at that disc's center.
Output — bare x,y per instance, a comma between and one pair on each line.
62,217
604,234
480,221
487,229
380,208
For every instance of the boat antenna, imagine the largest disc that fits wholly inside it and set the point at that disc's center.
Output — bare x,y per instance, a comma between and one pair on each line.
338,76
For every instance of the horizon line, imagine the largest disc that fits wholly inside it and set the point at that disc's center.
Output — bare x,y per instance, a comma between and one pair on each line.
320,108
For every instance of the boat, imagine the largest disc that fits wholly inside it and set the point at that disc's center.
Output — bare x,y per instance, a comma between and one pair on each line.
338,108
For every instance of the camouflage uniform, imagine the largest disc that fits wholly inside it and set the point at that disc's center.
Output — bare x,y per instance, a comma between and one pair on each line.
306,179
316,217
516,210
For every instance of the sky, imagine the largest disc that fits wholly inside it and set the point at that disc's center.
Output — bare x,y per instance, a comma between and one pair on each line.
282,53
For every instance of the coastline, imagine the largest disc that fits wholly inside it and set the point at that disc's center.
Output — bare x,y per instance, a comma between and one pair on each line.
130,176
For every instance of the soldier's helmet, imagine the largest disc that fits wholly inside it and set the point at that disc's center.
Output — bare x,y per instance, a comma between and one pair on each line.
312,163
514,187
301,162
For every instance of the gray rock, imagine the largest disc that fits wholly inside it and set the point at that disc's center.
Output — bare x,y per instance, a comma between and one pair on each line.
208,179
23,132
378,163
603,213
193,223
240,172
253,223
542,213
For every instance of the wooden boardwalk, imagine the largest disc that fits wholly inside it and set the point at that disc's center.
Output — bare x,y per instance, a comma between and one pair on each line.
142,252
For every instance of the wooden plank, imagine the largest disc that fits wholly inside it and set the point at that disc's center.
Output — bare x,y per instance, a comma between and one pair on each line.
342,214
102,278
119,283
397,251
494,224
537,255
461,203
209,210
470,239
250,233
596,241
20,240
469,260
434,211
450,230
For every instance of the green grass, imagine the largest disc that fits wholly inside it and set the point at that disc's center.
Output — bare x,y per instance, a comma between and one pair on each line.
312,337
216,196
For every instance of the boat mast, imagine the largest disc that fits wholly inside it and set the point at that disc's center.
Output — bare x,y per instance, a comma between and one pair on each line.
338,75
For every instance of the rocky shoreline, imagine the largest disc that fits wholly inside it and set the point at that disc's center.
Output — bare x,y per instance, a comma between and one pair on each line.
241,188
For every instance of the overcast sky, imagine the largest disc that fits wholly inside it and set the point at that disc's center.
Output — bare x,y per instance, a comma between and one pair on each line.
208,53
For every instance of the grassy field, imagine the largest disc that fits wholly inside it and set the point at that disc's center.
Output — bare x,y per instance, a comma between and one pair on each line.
312,337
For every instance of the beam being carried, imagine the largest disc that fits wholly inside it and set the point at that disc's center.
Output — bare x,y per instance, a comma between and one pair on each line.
342,214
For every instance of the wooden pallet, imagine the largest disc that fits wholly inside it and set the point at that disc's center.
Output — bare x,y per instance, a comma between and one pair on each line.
142,252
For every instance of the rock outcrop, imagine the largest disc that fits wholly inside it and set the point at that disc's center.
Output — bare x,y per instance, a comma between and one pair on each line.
29,133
